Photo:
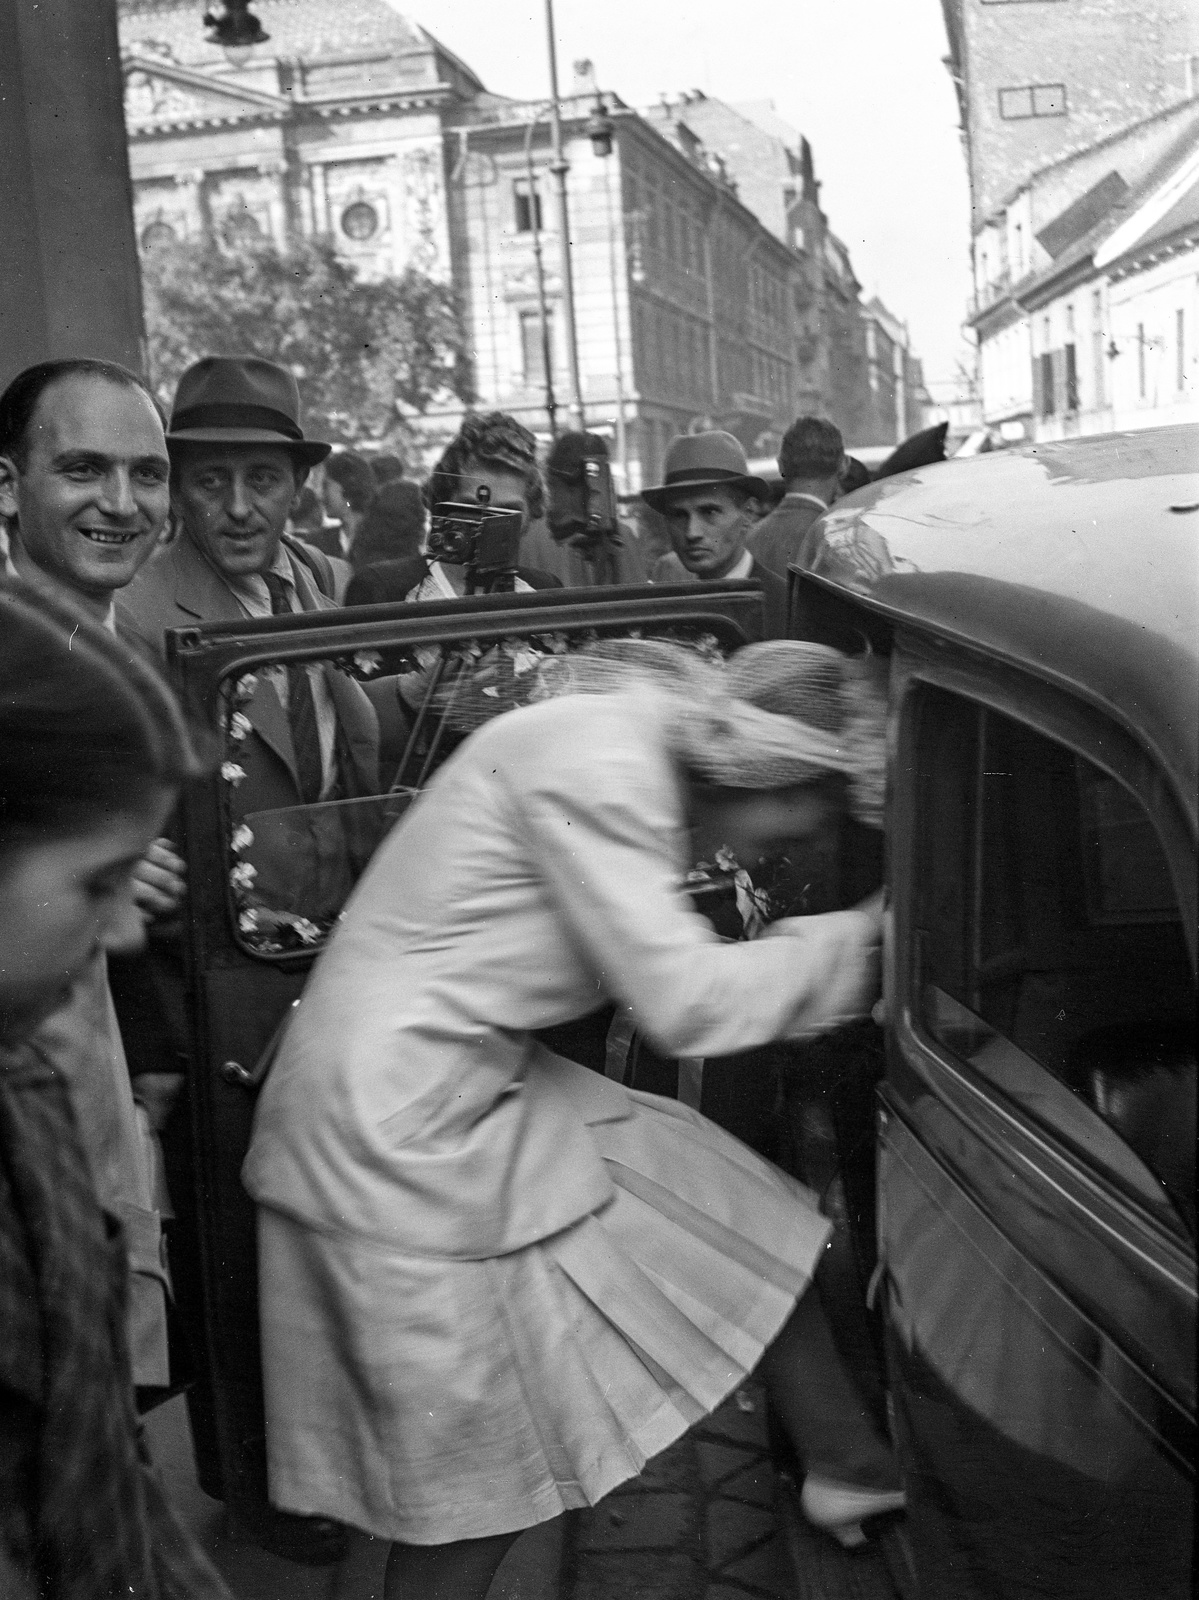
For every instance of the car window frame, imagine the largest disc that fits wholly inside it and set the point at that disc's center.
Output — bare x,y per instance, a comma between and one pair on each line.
203,659
1067,717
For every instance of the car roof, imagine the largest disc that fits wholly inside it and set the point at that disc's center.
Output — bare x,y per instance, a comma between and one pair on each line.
1077,560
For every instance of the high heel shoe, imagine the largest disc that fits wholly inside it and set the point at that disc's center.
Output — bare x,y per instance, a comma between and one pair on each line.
840,1509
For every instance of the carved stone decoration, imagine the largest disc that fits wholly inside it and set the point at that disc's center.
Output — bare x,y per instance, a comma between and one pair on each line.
149,98
424,206
360,221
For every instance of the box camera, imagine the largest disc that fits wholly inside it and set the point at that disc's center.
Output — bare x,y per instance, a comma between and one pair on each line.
484,539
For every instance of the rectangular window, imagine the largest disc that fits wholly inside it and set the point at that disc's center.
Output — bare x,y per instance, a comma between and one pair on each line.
1180,350
1032,100
1071,379
528,206
1097,359
1141,359
1051,955
532,350
1048,399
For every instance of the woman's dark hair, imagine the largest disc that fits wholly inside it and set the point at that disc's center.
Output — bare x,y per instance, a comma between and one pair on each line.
354,474
19,400
86,726
392,528
493,439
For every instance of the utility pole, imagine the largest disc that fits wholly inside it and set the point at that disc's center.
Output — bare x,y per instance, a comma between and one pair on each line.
560,167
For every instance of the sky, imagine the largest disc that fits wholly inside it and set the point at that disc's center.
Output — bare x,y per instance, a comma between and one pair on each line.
863,79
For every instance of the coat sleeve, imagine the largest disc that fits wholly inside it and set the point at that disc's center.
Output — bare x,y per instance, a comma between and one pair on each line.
605,835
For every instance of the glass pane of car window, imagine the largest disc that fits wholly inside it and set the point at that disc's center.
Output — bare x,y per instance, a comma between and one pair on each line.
1051,943
387,720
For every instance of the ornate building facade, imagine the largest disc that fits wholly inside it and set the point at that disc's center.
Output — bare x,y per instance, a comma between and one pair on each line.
354,123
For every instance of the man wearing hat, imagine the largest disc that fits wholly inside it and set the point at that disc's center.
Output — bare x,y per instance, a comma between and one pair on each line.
709,499
239,459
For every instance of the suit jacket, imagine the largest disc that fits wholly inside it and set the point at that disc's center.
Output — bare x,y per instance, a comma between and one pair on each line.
395,580
179,589
779,539
306,860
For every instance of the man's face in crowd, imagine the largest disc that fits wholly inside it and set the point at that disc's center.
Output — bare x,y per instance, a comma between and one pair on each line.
234,502
708,529
93,496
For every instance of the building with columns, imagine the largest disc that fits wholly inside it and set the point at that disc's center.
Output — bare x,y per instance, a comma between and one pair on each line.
352,122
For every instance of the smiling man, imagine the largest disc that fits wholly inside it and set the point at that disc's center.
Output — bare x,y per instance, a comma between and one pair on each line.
83,479
709,499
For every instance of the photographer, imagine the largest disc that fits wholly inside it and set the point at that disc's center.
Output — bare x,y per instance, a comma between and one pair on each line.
585,544
491,462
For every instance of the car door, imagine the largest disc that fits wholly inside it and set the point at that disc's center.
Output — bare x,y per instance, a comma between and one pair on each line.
1037,1140
267,882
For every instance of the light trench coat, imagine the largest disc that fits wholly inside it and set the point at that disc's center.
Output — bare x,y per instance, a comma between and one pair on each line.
540,875
493,1284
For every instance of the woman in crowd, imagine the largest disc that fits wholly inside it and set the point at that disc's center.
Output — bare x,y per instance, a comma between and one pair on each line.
92,748
492,453
493,1283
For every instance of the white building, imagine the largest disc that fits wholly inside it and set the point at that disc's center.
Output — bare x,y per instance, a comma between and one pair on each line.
1051,287
1151,267
1113,319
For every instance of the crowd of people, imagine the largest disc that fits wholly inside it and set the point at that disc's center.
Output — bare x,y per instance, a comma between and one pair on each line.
493,1283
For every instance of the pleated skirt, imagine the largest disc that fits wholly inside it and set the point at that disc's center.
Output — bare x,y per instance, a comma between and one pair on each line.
430,1400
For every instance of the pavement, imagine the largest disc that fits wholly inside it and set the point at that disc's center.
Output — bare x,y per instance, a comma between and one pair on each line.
709,1519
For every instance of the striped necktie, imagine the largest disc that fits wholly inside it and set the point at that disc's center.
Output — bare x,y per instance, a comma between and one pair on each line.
301,707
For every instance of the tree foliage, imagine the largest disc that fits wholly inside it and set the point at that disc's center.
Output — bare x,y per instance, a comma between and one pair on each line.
363,351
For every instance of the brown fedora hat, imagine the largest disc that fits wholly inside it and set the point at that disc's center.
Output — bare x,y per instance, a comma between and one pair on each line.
241,400
703,461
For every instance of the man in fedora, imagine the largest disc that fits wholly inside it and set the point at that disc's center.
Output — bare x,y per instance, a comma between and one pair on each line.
239,459
710,500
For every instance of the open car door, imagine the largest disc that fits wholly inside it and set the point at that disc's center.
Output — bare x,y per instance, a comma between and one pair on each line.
267,884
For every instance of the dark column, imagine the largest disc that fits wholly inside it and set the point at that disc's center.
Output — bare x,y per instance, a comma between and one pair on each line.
69,281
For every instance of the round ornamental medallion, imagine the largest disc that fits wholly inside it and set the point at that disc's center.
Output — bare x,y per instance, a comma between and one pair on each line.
360,221
156,234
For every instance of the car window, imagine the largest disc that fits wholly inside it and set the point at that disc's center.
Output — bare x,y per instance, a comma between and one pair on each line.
291,865
1051,955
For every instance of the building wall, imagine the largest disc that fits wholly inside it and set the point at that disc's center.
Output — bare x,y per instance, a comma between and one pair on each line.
1100,65
1005,361
1071,373
1154,317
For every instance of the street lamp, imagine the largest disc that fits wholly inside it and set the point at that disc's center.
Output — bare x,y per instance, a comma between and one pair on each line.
551,404
560,167
237,30
600,130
